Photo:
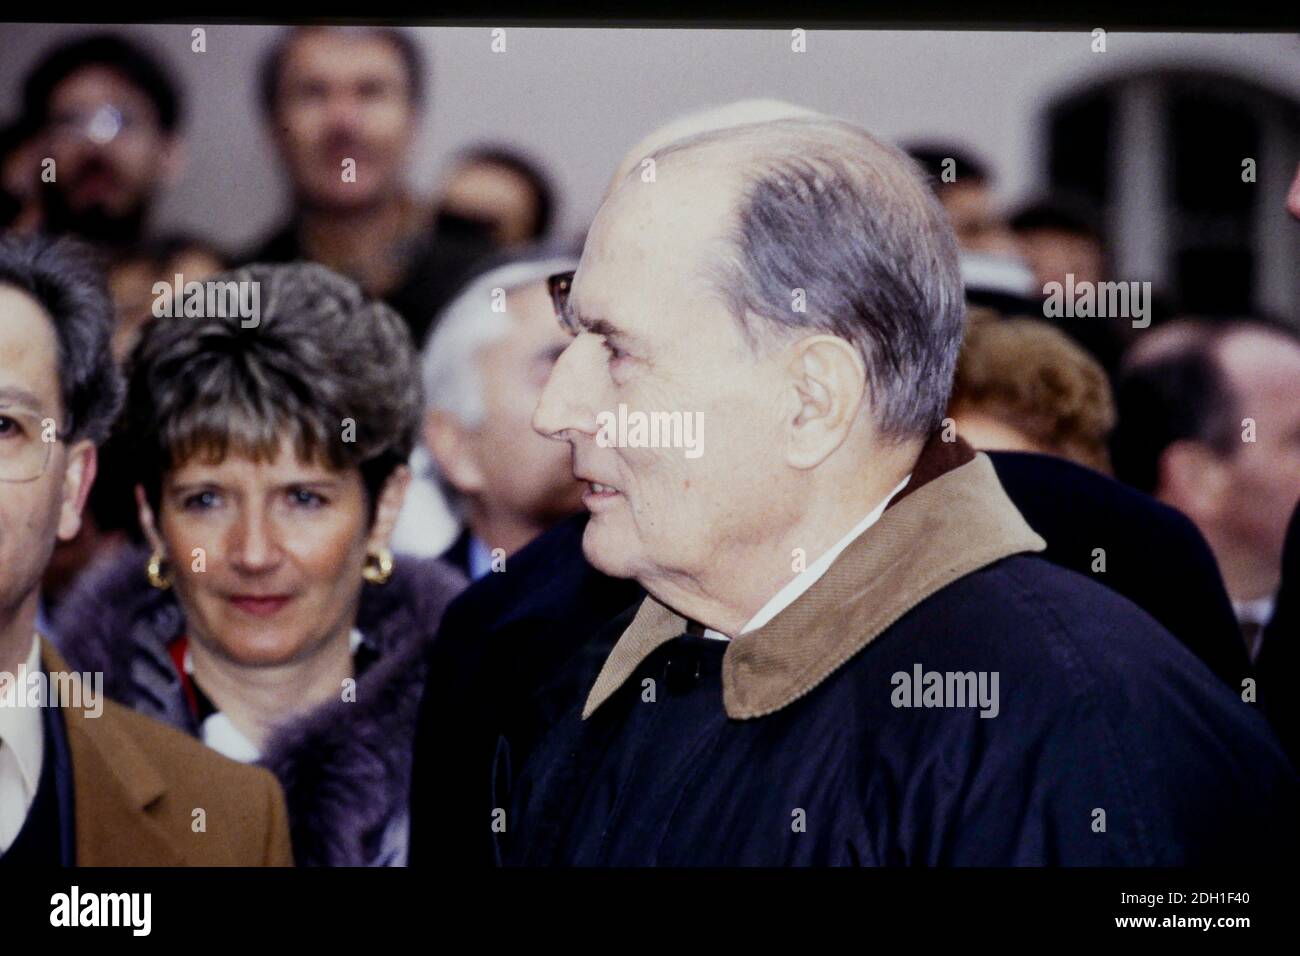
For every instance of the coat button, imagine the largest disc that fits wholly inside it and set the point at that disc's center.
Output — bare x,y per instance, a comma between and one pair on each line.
682,672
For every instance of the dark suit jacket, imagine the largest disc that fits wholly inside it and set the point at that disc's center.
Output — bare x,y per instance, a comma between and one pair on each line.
136,785
503,635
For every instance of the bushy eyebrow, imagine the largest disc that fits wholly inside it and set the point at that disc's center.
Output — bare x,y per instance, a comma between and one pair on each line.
602,327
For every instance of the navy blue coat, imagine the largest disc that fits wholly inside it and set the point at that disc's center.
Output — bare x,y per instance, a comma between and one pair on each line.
511,634
1101,712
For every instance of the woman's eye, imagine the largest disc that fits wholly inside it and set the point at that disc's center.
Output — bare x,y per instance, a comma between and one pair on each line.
9,427
615,353
305,499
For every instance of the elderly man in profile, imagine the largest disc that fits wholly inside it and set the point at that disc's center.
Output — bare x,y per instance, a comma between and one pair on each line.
850,653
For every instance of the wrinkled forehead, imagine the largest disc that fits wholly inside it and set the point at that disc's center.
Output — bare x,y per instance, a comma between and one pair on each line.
653,241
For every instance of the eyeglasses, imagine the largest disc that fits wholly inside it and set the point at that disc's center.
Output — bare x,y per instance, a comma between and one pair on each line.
24,445
102,125
559,286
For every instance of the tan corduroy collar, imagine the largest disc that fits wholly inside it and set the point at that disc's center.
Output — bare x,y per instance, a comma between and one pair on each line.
944,527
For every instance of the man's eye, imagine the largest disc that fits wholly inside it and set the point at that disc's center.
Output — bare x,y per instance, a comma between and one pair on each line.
615,353
310,92
200,501
374,90
9,428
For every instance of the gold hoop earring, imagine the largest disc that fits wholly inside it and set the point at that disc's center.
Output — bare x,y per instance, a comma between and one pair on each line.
378,567
156,574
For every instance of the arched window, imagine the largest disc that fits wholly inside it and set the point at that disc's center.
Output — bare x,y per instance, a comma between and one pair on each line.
1160,156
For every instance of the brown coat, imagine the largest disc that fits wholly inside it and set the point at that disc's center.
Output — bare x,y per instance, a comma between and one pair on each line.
136,785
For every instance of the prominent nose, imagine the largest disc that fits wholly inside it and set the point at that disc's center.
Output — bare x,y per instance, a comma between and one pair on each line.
565,405
344,110
253,545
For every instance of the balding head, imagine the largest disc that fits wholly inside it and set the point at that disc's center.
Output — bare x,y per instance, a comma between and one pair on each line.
828,229
738,113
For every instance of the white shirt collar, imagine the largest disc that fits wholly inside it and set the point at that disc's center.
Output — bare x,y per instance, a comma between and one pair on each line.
809,576
22,754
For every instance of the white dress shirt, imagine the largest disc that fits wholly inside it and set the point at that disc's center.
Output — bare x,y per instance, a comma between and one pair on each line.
22,753
809,576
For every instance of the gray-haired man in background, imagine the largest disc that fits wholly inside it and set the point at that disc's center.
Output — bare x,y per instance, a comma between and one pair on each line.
484,366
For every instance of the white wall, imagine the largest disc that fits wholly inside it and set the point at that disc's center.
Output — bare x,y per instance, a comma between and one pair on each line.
576,98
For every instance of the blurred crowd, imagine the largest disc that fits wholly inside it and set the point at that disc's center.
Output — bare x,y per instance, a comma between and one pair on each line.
436,317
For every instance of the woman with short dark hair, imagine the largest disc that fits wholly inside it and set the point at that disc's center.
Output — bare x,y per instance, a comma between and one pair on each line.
269,618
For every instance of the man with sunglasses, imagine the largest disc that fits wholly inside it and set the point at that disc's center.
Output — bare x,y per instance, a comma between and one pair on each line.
83,781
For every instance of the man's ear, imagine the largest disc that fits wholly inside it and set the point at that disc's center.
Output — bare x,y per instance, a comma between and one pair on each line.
148,521
828,384
449,443
1193,478
389,507
78,476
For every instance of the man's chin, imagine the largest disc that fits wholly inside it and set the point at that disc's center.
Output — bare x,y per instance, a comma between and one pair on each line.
603,551
337,196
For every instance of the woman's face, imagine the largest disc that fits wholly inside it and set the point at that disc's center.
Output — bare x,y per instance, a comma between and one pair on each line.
266,558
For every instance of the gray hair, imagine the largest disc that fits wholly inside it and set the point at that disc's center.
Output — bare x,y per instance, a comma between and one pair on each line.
324,366
62,278
476,318
831,211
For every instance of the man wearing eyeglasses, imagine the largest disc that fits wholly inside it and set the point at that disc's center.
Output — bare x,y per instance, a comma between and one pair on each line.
83,781
108,114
